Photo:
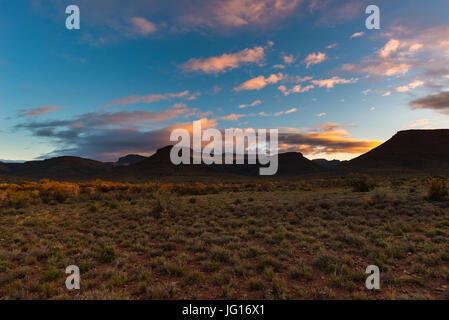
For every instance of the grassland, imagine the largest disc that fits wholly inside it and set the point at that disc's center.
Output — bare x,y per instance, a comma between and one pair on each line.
286,239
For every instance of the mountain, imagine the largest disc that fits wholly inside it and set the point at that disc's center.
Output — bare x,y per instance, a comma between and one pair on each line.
294,163
3,168
159,164
60,168
130,159
326,163
423,150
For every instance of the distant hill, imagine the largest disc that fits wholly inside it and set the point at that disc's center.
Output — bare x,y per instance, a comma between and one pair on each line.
294,163
159,164
60,168
3,168
326,163
407,151
130,159
423,150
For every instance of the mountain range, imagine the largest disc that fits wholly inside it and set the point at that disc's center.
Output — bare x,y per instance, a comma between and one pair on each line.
407,151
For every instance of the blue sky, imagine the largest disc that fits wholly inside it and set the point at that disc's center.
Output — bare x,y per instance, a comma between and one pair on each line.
138,69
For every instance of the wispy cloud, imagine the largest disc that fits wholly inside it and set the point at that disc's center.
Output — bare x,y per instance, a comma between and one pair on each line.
331,82
357,34
150,98
259,82
142,26
226,61
295,89
254,103
410,86
40,111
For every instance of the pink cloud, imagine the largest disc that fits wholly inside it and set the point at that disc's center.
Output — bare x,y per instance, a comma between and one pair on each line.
226,62
142,26
40,110
151,98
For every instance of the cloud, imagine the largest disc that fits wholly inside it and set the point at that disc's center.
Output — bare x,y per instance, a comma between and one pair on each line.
232,117
378,68
328,138
322,114
331,82
410,86
239,13
142,26
40,111
295,89
288,59
259,82
372,108
333,45
407,50
277,114
150,98
279,66
438,102
314,58
389,48
226,62
254,103
366,92
357,34
386,94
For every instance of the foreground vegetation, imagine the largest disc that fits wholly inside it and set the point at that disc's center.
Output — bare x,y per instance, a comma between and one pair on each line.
289,239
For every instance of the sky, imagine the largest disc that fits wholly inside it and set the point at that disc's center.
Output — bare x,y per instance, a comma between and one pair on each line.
136,70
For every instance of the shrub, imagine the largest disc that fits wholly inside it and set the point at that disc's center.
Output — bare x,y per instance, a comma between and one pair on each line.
436,190
326,262
108,255
255,284
301,271
361,183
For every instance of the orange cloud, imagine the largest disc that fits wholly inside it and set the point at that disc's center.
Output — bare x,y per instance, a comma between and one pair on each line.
357,34
288,59
332,140
232,117
314,58
226,62
331,82
259,82
411,85
254,103
295,89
